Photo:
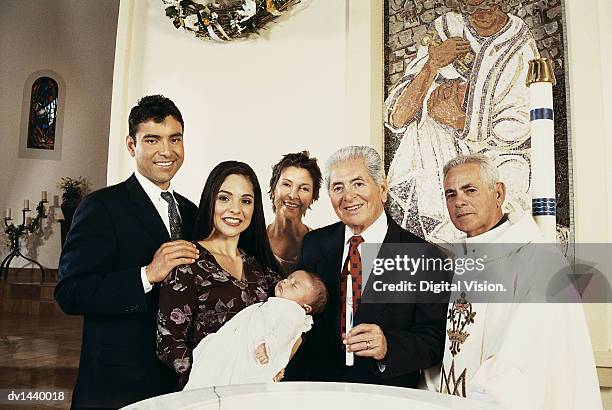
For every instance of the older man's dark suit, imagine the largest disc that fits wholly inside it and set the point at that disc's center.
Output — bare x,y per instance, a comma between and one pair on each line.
414,332
115,232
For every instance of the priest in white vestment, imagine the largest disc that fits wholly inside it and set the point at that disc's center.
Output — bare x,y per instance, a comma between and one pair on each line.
517,355
463,93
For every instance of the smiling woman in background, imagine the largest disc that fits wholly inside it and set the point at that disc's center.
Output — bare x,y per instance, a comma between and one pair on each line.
235,267
294,186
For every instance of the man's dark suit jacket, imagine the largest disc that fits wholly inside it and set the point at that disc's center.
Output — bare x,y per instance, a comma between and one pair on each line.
115,232
414,332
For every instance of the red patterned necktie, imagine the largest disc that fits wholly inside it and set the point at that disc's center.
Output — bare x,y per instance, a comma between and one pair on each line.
352,265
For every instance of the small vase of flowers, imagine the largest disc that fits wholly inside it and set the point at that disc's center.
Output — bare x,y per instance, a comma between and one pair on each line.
74,190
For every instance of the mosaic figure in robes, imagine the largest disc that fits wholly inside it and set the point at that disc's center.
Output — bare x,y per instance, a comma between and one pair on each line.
463,93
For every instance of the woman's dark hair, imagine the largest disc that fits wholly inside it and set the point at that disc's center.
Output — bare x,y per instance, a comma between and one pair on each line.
254,239
298,160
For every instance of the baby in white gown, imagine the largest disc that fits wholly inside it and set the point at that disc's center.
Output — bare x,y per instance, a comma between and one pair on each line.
256,344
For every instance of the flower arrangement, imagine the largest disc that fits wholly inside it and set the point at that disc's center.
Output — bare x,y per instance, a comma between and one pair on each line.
224,20
73,187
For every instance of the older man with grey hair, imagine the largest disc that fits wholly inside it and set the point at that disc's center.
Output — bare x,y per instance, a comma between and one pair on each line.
479,209
518,352
391,342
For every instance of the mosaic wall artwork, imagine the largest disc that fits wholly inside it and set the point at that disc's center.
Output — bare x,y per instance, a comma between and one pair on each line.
455,75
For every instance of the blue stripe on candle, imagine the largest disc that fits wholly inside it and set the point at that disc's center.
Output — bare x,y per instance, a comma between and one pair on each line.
542,114
543,206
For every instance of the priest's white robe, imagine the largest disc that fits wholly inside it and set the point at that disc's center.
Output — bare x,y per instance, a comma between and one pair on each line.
520,355
228,355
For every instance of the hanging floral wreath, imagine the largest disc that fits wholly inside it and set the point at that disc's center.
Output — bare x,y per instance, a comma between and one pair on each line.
224,20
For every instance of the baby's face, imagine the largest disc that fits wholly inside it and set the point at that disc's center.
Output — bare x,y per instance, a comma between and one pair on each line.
297,287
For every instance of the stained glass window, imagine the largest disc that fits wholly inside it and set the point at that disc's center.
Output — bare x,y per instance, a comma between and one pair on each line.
43,114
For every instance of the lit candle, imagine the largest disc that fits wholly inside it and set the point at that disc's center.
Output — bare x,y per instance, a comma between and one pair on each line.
44,196
8,213
26,204
350,358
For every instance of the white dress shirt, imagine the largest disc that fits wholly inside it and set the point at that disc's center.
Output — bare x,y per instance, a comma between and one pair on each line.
161,205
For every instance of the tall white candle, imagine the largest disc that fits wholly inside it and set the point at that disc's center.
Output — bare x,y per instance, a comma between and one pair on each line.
8,213
350,356
44,195
544,208
26,204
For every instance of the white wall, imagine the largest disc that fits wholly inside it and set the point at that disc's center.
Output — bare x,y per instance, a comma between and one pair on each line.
76,40
590,63
591,100
305,84
605,17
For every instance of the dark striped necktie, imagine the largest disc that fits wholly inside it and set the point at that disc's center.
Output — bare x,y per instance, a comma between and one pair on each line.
173,216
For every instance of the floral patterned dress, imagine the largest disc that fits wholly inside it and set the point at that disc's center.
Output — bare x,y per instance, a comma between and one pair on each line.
196,300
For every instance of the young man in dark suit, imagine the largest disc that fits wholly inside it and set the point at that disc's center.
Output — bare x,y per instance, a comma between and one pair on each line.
391,342
123,242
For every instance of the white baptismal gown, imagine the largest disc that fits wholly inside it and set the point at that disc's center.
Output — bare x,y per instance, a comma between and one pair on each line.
228,356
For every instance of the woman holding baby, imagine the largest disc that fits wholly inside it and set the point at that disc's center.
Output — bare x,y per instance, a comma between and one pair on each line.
235,269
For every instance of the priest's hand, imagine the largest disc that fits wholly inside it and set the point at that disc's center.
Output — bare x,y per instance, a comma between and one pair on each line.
367,340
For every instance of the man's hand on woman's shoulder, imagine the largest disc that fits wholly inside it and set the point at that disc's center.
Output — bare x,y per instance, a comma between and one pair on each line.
168,256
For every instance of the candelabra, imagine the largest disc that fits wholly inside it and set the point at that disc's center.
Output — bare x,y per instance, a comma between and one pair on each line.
14,232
